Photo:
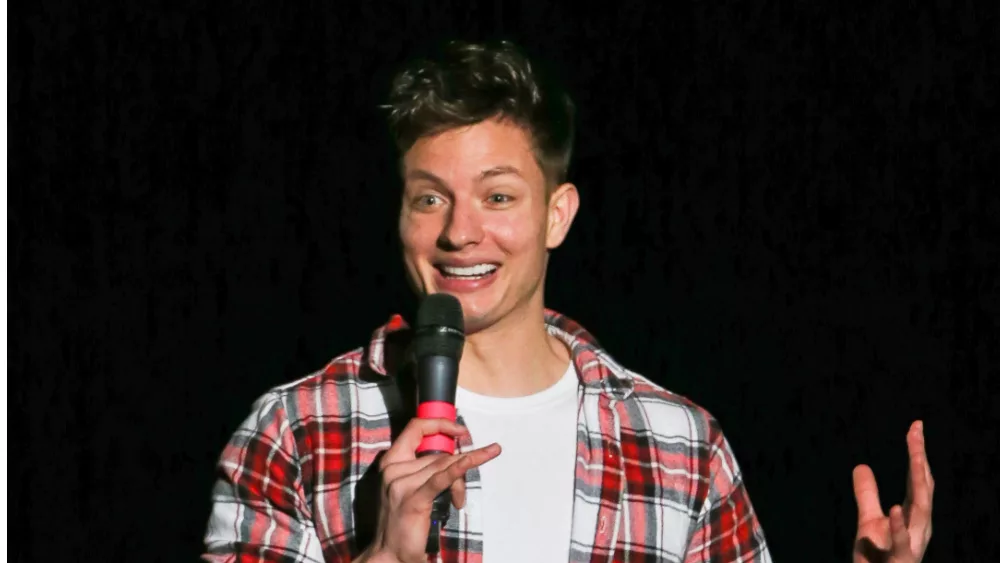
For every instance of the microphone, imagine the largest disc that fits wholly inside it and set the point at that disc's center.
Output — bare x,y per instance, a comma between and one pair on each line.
437,345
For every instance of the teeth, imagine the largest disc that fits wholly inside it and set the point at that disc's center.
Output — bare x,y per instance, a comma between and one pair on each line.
477,270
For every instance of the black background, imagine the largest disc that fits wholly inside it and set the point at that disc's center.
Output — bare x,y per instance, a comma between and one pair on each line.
789,215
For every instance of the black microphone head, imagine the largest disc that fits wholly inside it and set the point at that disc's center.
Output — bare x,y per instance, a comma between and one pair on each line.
441,309
440,329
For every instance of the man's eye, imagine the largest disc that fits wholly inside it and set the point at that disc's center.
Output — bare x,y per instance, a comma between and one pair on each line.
500,199
428,200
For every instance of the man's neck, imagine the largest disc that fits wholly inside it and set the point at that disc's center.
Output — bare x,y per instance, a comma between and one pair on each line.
514,358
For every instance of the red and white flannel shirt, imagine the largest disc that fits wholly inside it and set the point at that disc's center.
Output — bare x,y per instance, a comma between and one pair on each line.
655,477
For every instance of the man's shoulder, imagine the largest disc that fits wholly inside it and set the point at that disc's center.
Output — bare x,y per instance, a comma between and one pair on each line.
663,412
344,384
343,369
650,407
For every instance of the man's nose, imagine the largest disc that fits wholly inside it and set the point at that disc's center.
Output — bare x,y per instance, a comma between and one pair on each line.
463,227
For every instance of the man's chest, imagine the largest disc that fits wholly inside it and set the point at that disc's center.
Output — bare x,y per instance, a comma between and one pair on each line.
569,476
524,498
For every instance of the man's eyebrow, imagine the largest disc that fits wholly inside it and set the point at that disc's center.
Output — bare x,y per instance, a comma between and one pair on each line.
420,174
498,171
424,175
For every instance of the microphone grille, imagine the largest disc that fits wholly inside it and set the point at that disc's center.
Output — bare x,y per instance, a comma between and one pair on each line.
440,309
440,329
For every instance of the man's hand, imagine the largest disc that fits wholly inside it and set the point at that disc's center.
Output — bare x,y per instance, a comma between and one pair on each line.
410,484
901,537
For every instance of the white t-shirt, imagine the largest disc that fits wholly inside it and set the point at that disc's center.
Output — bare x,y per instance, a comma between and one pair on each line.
527,491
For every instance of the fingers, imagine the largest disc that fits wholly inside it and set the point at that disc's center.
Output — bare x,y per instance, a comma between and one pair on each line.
866,494
406,444
407,478
400,469
920,468
421,470
918,484
444,478
482,456
900,537
919,491
915,439
909,526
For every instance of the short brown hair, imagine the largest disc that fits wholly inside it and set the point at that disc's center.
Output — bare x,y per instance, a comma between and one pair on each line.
467,83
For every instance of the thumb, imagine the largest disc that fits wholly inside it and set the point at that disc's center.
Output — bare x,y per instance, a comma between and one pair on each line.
900,537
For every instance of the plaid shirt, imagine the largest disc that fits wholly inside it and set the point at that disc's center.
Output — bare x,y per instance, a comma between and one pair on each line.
655,477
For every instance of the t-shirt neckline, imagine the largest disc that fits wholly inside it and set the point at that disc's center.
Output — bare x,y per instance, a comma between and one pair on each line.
565,386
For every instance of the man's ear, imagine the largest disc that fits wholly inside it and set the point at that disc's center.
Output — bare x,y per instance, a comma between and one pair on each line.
563,205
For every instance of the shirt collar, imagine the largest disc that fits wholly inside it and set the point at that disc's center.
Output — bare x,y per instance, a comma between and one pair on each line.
595,367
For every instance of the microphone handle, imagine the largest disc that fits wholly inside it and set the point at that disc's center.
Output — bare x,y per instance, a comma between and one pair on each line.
440,510
436,387
437,379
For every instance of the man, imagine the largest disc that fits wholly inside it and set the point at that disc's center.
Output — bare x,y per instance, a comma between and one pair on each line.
563,454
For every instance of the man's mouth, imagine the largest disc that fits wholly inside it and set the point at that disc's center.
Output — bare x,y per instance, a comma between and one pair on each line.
477,272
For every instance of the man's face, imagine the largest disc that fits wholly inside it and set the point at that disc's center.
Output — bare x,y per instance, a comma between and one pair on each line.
476,221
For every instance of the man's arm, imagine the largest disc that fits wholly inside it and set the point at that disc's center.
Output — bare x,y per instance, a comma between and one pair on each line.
727,529
259,507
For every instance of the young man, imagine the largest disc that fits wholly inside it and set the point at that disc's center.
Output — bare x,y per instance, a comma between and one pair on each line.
564,455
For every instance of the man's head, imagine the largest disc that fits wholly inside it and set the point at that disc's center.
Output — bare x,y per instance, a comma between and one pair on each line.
486,142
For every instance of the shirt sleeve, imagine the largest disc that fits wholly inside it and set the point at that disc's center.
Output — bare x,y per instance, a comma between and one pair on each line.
726,529
259,508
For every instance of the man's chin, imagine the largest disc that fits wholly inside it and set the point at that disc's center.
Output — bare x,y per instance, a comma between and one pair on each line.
478,318
477,322
479,312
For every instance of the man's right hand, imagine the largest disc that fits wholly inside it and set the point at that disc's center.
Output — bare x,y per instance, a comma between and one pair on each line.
410,484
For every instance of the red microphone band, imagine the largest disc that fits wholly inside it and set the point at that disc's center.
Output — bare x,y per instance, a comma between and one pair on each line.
436,442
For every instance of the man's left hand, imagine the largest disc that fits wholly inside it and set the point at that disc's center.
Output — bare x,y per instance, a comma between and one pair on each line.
902,536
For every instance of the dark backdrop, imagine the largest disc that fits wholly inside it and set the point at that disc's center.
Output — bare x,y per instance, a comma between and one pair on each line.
789,215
